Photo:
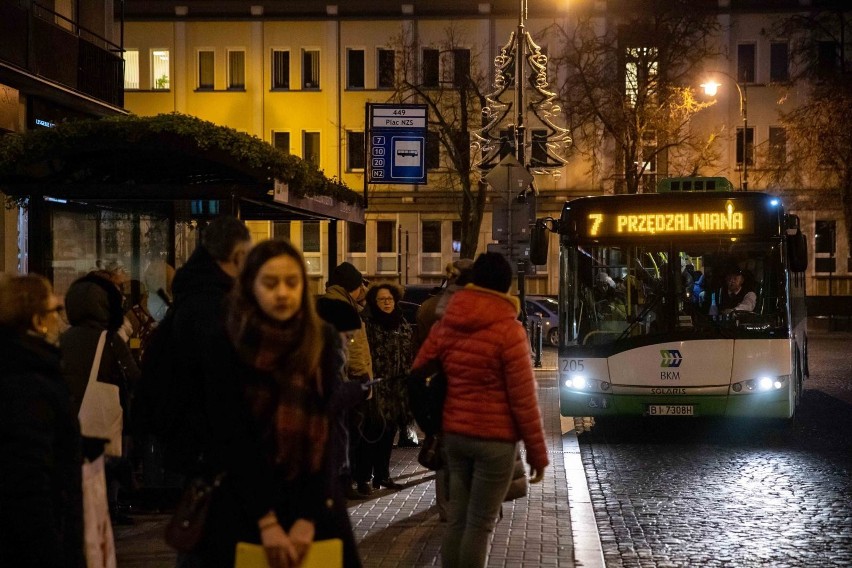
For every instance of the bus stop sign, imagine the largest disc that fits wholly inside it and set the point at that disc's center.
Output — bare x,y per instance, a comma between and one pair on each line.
397,143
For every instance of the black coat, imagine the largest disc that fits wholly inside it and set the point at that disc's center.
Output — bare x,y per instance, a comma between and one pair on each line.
200,288
41,511
252,486
91,310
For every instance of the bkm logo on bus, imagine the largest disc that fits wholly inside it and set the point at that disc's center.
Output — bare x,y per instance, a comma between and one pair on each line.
671,358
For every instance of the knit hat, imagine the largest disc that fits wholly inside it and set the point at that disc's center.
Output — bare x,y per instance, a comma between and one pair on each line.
339,314
347,276
491,270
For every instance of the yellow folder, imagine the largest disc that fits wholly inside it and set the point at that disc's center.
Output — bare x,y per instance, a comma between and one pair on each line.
322,554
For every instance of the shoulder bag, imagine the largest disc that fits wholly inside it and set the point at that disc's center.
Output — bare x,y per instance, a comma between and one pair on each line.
519,486
427,389
186,527
100,413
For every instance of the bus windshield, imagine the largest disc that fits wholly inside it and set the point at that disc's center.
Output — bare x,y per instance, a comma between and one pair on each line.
614,294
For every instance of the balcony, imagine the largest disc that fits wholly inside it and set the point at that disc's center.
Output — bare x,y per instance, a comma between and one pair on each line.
41,45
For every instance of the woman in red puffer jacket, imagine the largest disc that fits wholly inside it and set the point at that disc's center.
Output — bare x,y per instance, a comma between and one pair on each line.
491,404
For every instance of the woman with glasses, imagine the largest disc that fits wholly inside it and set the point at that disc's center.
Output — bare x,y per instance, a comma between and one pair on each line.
391,350
41,512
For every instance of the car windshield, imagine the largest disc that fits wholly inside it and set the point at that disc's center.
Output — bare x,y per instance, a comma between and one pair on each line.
617,294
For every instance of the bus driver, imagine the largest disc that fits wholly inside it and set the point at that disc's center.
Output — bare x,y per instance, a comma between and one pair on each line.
734,296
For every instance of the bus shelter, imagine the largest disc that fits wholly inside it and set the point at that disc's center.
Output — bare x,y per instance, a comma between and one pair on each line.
135,193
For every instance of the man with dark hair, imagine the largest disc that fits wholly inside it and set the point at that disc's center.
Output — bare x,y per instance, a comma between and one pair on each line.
200,288
735,297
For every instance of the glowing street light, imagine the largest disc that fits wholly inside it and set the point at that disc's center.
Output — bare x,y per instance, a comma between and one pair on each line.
710,89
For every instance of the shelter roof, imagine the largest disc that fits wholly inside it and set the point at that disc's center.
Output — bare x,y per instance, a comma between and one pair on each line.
149,162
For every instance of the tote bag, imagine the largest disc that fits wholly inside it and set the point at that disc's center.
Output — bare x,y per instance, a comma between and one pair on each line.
100,414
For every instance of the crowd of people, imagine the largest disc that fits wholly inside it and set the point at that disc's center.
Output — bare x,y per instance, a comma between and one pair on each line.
292,402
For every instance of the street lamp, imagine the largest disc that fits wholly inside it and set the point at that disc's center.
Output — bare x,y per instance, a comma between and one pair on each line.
710,89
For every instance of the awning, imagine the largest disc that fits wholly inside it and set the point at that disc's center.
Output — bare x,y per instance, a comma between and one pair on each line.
148,163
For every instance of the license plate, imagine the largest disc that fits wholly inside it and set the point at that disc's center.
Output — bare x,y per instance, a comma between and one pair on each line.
671,410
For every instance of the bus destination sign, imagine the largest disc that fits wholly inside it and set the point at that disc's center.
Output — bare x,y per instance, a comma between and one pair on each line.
729,221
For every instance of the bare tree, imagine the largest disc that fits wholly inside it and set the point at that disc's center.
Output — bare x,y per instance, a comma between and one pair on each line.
817,129
626,88
447,78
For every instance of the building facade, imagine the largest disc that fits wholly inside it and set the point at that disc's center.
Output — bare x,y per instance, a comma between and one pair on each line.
301,76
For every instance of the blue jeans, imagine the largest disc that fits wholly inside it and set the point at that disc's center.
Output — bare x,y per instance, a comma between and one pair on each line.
480,473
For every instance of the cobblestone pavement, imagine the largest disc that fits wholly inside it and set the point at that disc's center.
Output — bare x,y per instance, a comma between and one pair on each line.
713,493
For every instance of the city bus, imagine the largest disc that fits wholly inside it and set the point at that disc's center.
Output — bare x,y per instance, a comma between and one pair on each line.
643,330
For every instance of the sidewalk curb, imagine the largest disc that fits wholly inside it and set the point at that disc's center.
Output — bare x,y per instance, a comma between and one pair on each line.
588,551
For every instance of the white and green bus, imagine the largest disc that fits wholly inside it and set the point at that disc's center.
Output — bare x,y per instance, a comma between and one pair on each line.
643,326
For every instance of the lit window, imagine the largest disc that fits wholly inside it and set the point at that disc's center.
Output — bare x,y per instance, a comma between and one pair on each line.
160,70
640,73
131,69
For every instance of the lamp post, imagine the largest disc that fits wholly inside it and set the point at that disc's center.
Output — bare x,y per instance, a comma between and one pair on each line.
710,89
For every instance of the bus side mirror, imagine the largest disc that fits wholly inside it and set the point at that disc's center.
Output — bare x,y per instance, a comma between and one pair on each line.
539,242
797,245
797,252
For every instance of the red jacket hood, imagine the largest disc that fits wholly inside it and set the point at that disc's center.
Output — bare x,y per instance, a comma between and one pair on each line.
474,307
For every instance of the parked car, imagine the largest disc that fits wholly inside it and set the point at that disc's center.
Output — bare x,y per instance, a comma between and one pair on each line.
413,296
546,308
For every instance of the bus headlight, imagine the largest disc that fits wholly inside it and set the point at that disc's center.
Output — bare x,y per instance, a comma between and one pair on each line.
761,384
576,382
585,384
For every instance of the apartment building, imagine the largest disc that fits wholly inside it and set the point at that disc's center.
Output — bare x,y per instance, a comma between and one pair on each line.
299,76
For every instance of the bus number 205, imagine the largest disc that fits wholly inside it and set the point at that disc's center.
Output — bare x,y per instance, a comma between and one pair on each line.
573,365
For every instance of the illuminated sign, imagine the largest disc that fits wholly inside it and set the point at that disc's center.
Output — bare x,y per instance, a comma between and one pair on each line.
728,221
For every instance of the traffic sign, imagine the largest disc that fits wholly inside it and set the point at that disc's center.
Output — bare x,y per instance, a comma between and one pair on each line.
502,212
509,176
397,142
